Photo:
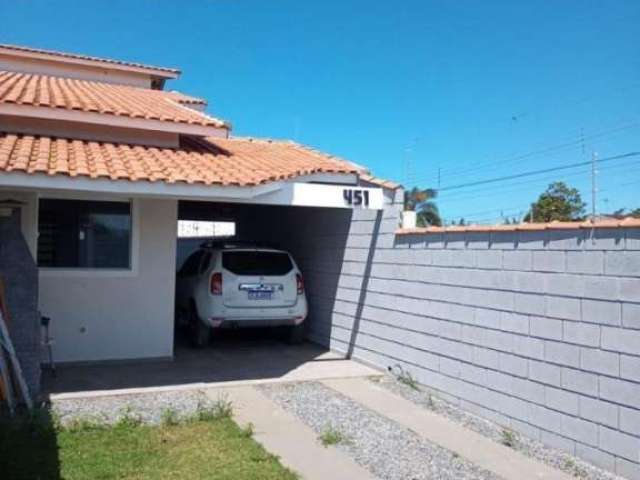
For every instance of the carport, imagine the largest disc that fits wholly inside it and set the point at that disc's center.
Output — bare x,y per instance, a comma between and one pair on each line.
302,231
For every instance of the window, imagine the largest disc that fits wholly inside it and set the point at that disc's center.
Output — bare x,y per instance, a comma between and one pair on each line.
206,261
257,262
84,234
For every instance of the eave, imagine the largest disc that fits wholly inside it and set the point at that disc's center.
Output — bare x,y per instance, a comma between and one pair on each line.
110,120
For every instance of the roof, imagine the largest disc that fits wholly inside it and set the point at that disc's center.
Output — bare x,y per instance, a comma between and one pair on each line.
104,98
628,222
208,161
381,182
186,99
108,61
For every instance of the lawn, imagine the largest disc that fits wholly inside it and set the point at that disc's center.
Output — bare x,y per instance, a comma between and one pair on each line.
196,449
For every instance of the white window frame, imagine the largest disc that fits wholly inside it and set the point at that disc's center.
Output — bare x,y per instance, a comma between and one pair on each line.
134,253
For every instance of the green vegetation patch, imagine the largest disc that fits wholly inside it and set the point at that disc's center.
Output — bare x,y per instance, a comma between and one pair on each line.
35,448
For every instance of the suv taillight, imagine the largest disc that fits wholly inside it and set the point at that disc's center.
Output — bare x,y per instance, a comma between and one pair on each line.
299,284
216,283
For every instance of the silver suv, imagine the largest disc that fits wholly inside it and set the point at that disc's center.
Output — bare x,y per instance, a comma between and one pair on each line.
227,285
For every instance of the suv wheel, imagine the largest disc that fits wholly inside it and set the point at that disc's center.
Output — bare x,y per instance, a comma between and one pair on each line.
200,333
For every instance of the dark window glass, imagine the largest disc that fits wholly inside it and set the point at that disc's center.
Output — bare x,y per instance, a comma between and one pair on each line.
82,234
191,264
257,263
206,260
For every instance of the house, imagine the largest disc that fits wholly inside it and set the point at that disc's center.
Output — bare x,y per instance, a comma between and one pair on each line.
98,161
533,326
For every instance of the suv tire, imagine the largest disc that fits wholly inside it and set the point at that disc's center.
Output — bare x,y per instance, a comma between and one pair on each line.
200,333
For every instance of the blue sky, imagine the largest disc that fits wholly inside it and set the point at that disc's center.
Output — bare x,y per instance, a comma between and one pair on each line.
473,89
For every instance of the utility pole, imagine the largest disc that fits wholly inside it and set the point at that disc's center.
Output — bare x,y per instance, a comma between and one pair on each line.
438,177
594,189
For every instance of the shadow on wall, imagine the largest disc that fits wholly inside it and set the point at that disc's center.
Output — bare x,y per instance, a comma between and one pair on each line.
365,284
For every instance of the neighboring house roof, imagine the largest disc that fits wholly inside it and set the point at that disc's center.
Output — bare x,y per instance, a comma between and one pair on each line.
64,55
209,161
32,90
628,222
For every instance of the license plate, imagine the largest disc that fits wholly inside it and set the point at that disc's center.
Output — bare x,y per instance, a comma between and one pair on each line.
260,295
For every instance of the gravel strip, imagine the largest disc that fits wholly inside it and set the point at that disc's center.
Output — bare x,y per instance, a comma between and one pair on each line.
532,448
385,448
147,408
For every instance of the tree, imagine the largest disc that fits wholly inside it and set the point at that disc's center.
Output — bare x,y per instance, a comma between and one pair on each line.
558,202
421,201
622,212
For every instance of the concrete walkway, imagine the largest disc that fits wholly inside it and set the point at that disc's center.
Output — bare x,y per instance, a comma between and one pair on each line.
505,462
224,364
282,434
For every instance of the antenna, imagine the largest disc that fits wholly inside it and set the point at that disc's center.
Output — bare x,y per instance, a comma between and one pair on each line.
594,188
408,162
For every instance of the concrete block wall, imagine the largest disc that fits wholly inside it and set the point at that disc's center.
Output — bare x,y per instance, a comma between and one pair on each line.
538,331
19,274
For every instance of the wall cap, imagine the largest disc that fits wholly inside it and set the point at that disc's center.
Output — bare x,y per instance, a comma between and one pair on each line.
628,222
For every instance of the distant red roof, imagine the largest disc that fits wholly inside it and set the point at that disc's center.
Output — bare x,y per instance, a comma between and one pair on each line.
628,222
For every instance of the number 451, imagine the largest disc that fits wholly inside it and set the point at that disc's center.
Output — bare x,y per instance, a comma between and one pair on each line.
356,197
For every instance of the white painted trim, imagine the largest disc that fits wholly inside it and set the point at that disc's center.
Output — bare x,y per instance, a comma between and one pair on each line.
83,131
100,272
103,64
110,120
290,193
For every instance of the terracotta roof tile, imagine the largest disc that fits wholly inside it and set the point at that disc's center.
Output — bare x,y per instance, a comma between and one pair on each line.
381,182
109,99
111,61
229,161
186,99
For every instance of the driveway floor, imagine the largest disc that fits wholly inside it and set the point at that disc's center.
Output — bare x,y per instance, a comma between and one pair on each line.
231,362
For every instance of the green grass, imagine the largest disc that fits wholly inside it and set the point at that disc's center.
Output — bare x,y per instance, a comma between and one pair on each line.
404,377
194,449
508,438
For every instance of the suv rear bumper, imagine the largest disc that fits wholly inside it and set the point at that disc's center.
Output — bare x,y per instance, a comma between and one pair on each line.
254,322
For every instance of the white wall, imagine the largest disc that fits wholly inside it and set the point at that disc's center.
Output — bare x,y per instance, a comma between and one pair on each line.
109,316
80,72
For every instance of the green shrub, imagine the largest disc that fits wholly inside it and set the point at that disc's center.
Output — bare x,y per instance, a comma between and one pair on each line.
332,436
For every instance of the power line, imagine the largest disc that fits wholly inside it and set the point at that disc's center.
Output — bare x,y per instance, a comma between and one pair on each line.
577,143
535,172
510,208
481,190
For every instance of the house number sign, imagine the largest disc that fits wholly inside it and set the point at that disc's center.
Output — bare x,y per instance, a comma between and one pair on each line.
356,197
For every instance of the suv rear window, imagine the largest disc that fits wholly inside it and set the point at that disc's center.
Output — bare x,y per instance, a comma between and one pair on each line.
257,263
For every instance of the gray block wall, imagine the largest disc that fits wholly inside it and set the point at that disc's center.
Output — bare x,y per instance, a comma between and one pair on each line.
20,277
538,331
